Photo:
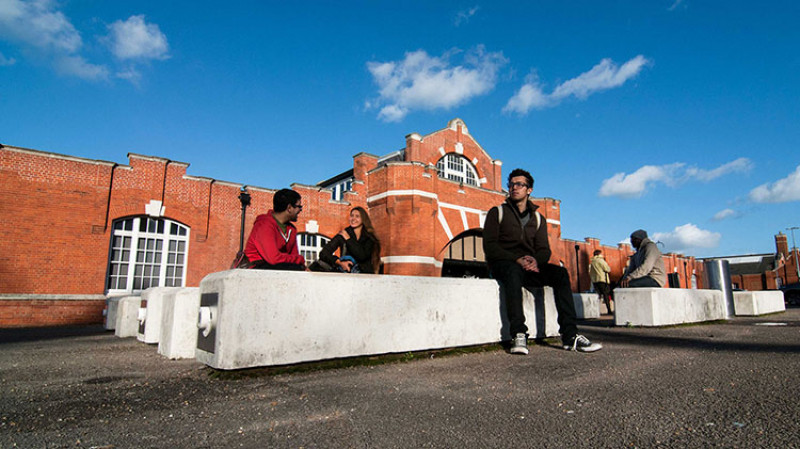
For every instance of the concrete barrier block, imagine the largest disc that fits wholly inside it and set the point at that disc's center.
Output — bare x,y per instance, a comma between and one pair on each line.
110,313
150,313
587,305
252,318
667,306
127,322
179,323
758,302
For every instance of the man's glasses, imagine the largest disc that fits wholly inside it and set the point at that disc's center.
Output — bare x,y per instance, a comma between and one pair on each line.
512,185
298,206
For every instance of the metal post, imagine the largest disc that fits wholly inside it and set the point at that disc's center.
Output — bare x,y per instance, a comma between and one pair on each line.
794,252
578,265
244,198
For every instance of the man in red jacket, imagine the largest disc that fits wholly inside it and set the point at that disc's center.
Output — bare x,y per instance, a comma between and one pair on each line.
272,244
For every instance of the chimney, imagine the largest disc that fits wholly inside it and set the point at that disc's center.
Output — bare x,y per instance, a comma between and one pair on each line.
781,244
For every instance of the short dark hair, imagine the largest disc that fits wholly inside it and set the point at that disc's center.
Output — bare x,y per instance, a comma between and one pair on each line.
597,252
520,172
283,198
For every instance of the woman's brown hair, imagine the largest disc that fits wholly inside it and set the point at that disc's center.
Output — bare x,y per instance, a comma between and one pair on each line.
366,223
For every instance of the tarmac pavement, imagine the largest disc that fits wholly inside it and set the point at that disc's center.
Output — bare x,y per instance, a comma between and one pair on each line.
727,384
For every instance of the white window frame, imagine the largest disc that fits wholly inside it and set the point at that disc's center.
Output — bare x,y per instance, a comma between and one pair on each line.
456,167
309,245
338,189
151,257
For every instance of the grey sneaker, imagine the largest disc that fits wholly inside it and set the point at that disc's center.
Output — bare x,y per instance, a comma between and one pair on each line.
582,344
520,345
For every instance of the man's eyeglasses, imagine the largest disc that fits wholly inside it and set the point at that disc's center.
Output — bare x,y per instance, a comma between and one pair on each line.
298,206
512,185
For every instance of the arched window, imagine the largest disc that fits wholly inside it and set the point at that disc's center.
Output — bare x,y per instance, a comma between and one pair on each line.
146,252
310,245
457,168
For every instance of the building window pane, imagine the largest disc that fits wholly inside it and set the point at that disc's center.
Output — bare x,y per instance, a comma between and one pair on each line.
457,168
146,252
309,246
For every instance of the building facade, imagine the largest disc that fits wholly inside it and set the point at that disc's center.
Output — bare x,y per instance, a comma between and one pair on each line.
78,230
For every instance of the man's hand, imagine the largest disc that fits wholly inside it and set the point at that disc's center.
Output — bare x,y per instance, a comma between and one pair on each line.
528,263
624,282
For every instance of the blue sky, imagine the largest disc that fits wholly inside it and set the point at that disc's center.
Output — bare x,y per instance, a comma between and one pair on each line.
679,117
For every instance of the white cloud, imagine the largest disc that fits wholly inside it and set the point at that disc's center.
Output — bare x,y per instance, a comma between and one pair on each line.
47,33
6,61
723,214
780,191
685,238
75,65
603,76
420,81
463,16
636,184
675,5
136,39
740,165
130,74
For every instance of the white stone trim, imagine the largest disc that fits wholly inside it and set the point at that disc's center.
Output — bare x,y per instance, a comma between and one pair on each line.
459,208
464,219
460,148
154,209
554,222
444,224
412,259
389,193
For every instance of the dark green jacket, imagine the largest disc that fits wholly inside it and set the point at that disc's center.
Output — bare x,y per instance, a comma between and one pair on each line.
507,240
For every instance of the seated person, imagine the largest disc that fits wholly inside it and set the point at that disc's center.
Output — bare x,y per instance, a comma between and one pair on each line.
359,247
272,244
646,268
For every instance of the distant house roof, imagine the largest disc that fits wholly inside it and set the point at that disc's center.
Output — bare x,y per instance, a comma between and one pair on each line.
748,264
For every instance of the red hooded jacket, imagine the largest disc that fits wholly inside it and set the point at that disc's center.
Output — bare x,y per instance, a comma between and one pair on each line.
268,243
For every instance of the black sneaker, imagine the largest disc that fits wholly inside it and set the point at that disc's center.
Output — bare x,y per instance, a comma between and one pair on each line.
520,345
582,344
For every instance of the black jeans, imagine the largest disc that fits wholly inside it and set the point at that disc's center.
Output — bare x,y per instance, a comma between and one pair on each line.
262,265
512,278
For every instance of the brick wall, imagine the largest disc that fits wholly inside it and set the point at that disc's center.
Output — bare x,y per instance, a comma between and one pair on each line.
58,212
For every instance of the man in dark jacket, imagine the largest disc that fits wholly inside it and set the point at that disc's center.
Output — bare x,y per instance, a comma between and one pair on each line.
517,251
272,244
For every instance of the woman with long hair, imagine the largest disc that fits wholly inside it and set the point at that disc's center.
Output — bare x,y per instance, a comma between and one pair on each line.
360,249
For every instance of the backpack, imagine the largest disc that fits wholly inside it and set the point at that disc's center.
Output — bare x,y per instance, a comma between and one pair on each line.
500,216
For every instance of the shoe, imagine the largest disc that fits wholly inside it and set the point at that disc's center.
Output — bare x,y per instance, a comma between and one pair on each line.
582,344
520,345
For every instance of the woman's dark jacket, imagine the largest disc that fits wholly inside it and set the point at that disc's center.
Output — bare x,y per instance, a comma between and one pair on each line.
360,249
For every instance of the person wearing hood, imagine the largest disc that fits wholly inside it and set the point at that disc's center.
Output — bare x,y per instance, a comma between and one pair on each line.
646,268
272,244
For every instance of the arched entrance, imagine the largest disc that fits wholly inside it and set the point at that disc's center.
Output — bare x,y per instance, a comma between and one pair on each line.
463,256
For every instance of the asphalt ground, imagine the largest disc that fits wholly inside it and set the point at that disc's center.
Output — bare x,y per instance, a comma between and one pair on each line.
724,384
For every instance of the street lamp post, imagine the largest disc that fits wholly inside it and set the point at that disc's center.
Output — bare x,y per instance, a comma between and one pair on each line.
244,198
794,251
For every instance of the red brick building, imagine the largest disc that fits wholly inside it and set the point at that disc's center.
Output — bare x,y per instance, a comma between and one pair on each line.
77,230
